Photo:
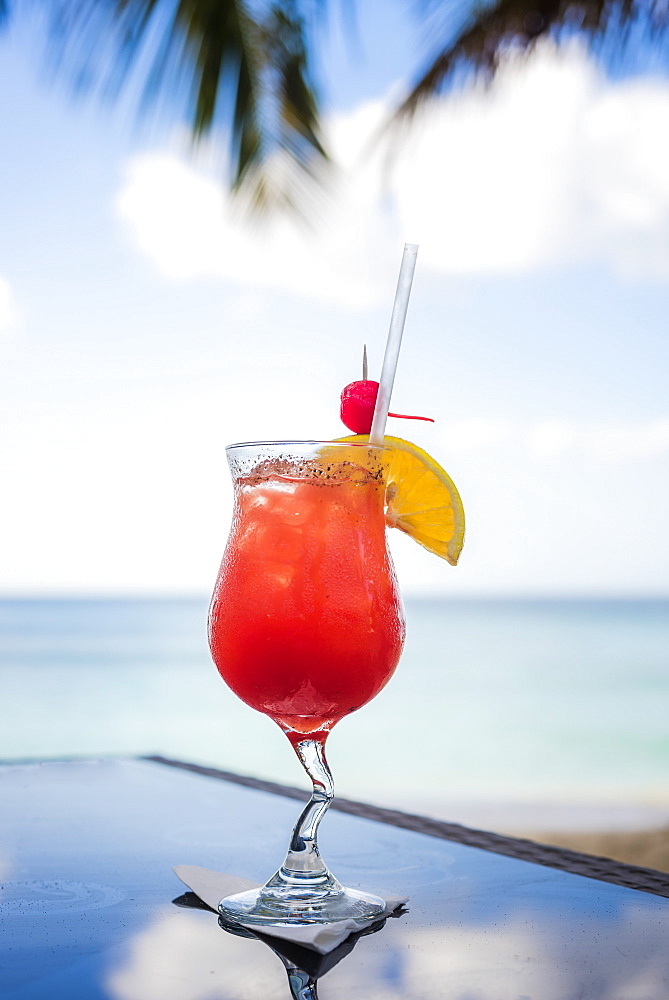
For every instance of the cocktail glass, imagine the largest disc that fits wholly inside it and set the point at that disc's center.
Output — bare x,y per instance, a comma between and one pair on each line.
306,625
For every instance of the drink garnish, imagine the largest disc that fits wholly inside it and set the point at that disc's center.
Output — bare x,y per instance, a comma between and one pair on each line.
421,498
358,400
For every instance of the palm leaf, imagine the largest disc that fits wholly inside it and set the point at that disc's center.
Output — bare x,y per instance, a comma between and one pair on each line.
243,73
517,25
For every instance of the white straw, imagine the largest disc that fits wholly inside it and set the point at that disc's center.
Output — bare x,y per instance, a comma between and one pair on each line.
393,343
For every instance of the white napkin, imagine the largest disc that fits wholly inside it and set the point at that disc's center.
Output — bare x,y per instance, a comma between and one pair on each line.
212,887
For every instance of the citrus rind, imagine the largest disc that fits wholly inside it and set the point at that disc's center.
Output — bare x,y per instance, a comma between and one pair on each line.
421,498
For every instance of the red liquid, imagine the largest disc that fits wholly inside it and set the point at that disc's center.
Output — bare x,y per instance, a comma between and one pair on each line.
306,623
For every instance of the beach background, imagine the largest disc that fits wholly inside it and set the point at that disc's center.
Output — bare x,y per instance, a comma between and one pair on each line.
545,718
146,322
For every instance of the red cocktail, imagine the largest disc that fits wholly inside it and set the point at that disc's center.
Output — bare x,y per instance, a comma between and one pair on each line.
306,625
305,622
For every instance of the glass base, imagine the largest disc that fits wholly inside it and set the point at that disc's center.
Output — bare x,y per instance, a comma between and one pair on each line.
256,907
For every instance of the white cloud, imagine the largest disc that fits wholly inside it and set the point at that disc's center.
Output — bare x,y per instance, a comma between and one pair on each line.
553,439
553,164
8,310
186,225
618,442
476,433
174,958
483,179
188,957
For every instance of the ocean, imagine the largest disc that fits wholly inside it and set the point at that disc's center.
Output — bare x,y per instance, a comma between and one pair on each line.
506,713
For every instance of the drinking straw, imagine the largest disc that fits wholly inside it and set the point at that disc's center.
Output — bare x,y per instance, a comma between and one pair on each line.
393,343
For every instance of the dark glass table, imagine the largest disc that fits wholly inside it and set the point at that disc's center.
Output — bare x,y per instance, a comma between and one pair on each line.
90,908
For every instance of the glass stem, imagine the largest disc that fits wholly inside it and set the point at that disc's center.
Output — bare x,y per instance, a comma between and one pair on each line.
303,861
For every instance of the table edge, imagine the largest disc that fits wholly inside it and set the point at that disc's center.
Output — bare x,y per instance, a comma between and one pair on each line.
601,869
589,865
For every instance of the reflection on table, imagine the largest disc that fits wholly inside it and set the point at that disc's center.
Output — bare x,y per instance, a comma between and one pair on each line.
86,910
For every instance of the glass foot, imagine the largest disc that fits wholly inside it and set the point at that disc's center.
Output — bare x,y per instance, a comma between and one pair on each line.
257,907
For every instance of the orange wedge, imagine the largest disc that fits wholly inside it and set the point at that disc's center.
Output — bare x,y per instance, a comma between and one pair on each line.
421,498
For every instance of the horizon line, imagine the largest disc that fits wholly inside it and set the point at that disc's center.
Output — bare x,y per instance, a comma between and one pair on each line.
130,594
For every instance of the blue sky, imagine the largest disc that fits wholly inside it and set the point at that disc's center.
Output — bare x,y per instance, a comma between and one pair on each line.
142,327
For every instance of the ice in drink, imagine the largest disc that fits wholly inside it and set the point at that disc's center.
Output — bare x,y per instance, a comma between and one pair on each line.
306,622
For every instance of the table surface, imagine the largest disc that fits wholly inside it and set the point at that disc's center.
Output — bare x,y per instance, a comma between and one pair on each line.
88,911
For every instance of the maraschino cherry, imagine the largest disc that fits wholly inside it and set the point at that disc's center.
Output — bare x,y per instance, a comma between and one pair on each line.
357,406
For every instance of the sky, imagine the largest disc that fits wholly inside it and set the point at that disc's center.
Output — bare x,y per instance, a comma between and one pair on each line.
144,325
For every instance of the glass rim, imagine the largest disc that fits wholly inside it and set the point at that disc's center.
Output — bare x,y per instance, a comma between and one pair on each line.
284,444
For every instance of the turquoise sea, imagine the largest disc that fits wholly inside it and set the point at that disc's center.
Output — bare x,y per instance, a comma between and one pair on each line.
496,705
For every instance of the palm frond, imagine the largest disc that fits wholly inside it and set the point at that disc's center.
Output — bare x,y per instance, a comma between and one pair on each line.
491,32
288,114
242,73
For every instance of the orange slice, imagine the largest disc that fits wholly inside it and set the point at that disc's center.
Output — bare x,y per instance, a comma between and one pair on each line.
421,498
